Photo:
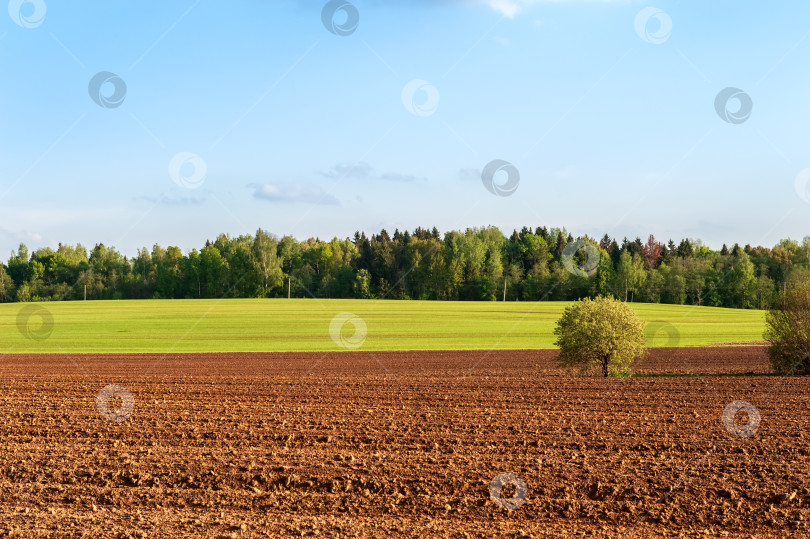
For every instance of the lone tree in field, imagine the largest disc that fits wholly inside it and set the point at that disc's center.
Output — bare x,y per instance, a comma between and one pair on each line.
599,333
787,328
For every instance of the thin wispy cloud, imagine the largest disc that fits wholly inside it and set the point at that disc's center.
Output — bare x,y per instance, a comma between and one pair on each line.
364,171
28,217
359,171
469,174
8,235
288,192
402,178
174,201
511,8
507,8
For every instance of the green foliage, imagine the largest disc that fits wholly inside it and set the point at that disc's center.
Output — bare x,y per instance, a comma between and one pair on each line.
474,264
604,274
23,294
6,286
787,328
630,275
600,333
362,284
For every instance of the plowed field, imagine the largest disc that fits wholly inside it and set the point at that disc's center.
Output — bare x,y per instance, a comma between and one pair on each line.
377,444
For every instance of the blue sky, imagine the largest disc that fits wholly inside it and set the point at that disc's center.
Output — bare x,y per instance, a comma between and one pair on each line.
612,125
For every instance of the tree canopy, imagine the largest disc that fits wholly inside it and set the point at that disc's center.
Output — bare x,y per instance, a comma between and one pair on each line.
601,333
472,264
787,328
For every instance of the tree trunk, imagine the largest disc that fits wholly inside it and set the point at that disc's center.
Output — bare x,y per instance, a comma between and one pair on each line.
605,366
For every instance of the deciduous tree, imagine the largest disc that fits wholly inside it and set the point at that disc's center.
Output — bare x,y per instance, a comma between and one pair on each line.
787,328
601,333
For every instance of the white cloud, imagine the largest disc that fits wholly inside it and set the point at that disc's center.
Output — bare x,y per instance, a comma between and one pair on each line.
293,193
359,170
507,8
363,171
397,177
510,8
23,235
174,201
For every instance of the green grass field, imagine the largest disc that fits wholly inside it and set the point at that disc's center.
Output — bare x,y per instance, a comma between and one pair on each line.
251,325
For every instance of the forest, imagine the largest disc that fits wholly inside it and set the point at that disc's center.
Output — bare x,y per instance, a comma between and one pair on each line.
474,264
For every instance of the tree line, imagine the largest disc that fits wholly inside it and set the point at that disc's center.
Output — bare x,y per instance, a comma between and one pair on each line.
474,264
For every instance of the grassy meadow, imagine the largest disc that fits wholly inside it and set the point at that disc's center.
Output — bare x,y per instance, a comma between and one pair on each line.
253,325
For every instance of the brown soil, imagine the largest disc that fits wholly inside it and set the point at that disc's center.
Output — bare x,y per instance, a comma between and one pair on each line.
377,444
